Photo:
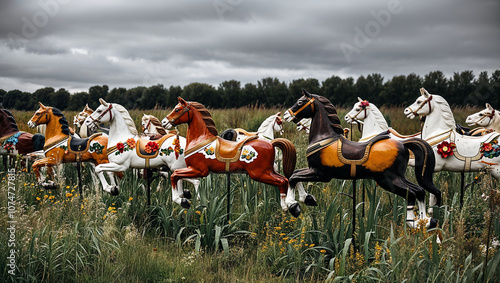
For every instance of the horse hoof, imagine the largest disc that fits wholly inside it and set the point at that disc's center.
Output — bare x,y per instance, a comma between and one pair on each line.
114,191
310,201
433,223
294,209
185,203
49,186
187,194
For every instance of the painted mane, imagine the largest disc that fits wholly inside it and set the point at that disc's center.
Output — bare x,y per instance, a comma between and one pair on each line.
62,121
332,114
126,117
207,118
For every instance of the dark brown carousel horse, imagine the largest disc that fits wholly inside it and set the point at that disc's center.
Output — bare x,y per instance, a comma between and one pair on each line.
385,160
14,142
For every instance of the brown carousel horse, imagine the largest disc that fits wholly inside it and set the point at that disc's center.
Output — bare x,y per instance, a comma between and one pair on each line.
207,152
13,141
330,155
62,147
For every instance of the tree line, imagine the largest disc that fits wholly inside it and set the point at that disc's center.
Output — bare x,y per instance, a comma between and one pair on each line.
461,89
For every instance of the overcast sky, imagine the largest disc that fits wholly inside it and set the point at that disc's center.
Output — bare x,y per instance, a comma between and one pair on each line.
126,43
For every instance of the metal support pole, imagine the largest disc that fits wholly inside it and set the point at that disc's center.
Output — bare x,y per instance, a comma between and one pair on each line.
462,187
149,173
78,169
228,183
354,214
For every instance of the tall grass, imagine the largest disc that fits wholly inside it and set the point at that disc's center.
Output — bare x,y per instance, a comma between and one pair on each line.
64,237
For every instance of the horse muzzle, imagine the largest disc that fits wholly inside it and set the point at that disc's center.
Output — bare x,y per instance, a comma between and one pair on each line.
409,113
165,123
32,125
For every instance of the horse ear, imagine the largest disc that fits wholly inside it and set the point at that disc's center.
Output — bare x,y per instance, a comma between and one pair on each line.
182,101
489,106
278,114
304,92
143,115
103,102
424,92
41,105
360,100
86,107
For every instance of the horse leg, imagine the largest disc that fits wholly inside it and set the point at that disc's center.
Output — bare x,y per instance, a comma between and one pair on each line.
47,163
185,173
304,197
109,167
196,184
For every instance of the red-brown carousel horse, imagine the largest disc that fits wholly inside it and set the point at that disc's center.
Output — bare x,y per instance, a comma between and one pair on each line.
14,142
62,147
330,155
207,152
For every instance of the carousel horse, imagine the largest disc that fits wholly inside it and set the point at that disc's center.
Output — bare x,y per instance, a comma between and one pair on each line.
13,141
127,150
152,128
207,152
453,151
62,147
488,118
331,155
78,120
373,121
272,124
304,125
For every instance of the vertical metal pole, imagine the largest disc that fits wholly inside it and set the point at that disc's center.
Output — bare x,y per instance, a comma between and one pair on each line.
148,177
228,183
354,213
363,197
462,184
78,169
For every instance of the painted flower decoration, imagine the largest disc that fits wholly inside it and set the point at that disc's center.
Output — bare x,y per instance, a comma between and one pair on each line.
131,143
120,147
445,148
364,104
490,149
151,147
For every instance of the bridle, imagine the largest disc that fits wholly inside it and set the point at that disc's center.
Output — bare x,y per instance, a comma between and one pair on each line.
98,119
147,125
428,101
489,116
309,102
78,120
184,110
41,115
363,109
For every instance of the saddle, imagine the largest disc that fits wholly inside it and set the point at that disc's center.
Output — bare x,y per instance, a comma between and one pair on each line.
392,131
476,132
356,153
141,147
80,146
229,134
229,151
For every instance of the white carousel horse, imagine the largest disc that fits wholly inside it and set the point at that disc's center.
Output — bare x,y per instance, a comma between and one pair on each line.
151,126
469,154
79,119
373,121
304,125
487,118
127,150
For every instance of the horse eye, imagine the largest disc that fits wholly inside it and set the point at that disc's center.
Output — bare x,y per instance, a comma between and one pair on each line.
177,110
480,114
357,109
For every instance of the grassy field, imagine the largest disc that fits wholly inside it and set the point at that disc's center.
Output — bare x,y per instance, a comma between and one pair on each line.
60,236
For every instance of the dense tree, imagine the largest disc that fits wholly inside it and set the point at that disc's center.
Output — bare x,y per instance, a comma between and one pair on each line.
230,94
296,86
271,92
461,89
435,82
77,101
96,92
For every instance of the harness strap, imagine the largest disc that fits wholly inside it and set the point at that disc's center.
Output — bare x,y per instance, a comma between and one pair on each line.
309,102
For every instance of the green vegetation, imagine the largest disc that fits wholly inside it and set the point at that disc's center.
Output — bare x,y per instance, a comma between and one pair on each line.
63,237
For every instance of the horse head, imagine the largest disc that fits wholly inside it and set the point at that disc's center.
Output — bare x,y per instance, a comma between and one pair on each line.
421,107
303,108
358,112
483,118
102,114
80,117
40,117
177,116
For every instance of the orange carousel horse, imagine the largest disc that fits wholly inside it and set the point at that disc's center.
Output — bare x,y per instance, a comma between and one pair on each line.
207,152
62,147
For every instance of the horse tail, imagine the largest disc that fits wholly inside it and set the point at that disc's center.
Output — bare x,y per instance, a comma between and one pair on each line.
38,142
289,155
424,165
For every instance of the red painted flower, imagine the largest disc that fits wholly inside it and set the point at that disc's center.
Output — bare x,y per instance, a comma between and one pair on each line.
120,146
365,103
486,147
445,148
151,147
